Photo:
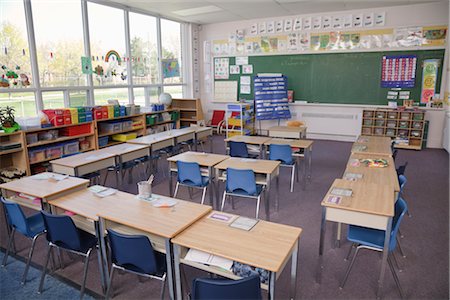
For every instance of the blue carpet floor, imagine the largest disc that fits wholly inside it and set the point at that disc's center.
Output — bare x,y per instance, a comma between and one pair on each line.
11,276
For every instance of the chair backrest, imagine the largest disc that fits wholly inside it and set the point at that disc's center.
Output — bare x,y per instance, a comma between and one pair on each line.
189,172
133,252
401,170
16,217
61,231
212,289
238,149
218,115
402,181
241,180
282,153
400,210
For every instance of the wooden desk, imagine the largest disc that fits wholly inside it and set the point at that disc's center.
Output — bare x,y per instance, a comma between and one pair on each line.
267,245
84,163
376,145
204,160
135,216
202,132
252,140
370,205
42,189
265,171
288,132
306,145
183,134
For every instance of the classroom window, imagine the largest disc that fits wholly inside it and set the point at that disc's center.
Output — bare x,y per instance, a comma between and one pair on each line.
139,96
14,50
174,91
53,100
144,49
102,96
107,36
23,103
171,51
78,98
59,42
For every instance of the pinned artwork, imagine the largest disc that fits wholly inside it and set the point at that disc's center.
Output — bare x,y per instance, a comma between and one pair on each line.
288,25
326,22
317,22
170,68
298,24
86,65
112,55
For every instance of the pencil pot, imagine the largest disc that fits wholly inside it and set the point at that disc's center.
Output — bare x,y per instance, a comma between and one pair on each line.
144,189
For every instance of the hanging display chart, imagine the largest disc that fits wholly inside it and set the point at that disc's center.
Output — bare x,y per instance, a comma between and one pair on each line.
398,71
271,101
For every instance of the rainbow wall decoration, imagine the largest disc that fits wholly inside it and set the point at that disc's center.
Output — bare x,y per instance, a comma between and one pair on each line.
113,53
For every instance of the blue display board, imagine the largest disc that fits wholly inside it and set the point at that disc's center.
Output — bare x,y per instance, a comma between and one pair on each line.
271,101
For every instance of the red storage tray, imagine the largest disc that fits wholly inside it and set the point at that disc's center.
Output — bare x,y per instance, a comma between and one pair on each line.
76,130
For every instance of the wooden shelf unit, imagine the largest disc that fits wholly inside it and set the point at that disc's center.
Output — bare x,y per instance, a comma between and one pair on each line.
190,111
151,122
17,156
407,127
140,130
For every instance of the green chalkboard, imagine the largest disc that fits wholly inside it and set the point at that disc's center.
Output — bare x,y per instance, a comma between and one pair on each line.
343,78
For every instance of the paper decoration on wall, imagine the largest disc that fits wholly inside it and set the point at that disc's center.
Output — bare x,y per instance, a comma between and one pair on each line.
358,20
298,24
225,91
347,21
240,36
235,69
245,89
434,35
368,20
307,23
303,41
247,69
170,68
270,27
317,22
241,60
112,54
282,43
408,36
398,71
254,29
86,65
429,78
288,25
380,18
279,26
337,22
221,68
262,28
292,44
245,80
315,42
326,22
99,70
232,37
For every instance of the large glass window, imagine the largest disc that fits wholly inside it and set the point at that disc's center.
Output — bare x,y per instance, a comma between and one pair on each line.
174,91
144,49
59,42
107,34
103,95
53,99
171,51
23,103
15,64
78,98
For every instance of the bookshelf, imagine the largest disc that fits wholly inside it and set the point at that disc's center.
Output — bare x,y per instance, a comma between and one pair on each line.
190,111
13,153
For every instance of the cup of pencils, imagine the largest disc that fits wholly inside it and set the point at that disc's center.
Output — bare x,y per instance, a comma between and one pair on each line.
145,188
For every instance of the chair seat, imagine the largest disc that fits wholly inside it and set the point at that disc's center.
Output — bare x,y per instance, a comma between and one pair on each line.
366,236
87,241
205,182
36,224
241,192
160,262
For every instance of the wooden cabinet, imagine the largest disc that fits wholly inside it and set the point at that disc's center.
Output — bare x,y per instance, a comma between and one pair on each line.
118,130
406,127
13,154
190,111
157,121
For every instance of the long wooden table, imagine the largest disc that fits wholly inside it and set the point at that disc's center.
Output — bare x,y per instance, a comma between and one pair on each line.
371,205
265,171
288,132
267,245
373,145
207,160
251,140
200,132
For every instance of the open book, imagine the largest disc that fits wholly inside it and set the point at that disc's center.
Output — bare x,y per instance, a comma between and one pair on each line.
208,259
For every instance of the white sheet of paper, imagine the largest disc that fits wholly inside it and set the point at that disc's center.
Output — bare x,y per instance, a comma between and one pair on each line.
246,80
245,89
244,223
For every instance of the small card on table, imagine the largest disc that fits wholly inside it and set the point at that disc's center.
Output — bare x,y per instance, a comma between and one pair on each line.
341,192
334,199
244,223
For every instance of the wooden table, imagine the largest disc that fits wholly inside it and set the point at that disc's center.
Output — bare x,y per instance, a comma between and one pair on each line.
376,145
265,171
44,189
288,132
208,160
267,245
84,163
135,216
371,205
306,145
252,140
200,133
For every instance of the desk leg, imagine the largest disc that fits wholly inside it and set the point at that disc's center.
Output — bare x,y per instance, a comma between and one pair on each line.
176,258
261,151
216,179
210,138
119,175
267,198
169,173
271,291
169,268
277,196
211,183
305,173
385,256
309,163
321,240
337,242
101,262
294,261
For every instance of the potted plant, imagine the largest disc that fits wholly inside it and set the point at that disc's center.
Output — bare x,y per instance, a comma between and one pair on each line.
8,124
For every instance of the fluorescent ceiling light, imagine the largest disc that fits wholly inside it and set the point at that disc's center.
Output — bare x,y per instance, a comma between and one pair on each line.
197,10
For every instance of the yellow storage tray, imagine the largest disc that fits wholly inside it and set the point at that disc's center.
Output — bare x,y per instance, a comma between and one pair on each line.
123,137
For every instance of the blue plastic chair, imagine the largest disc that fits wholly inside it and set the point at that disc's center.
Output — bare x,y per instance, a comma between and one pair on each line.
401,169
283,153
135,254
62,234
226,289
31,227
373,239
189,175
242,183
239,149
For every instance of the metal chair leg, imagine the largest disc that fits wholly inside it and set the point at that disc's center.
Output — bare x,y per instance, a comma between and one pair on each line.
111,275
350,251
163,288
258,201
298,167
349,269
397,265
292,178
44,270
86,265
203,195
400,248
30,255
394,274
190,193
223,200
11,238
176,190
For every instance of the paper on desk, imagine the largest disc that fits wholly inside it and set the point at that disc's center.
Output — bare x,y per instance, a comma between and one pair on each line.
164,202
352,176
341,192
244,223
46,176
208,259
102,191
251,160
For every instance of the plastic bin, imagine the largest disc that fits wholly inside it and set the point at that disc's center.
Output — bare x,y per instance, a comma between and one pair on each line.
151,119
71,148
36,155
102,141
127,125
48,135
54,151
76,130
109,127
32,138
84,144
123,137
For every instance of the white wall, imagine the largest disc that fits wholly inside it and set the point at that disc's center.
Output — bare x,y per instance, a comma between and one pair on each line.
344,121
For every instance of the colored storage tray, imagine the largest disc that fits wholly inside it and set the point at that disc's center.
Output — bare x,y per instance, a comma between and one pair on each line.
76,130
123,137
71,148
102,141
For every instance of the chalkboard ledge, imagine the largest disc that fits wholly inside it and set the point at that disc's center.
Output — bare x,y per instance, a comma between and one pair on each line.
311,104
